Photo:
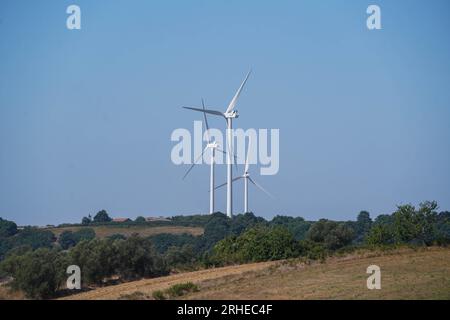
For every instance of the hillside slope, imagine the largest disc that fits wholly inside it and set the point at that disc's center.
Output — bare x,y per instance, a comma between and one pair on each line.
406,274
143,231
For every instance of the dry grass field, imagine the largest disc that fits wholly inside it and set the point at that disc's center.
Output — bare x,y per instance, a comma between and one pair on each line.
8,294
405,274
144,231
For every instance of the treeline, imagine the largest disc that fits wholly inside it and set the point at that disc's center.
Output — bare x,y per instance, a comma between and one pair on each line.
37,263
406,226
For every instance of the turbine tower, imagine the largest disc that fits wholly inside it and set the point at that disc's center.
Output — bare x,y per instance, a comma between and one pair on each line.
246,177
229,115
213,145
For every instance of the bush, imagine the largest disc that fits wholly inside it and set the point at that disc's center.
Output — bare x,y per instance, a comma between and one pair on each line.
116,236
159,295
332,234
313,250
181,289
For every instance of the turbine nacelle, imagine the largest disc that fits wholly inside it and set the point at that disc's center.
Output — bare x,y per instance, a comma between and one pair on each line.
212,145
232,114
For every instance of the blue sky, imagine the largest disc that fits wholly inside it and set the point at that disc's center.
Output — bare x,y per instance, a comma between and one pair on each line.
86,116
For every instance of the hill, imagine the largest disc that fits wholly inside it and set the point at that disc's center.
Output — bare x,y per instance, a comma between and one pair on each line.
406,274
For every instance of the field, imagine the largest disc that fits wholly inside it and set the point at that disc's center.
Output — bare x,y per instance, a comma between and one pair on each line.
144,231
405,274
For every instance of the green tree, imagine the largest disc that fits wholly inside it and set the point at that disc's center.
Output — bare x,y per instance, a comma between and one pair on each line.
7,228
136,257
380,234
97,259
332,234
102,216
260,243
140,219
69,239
37,273
297,226
86,221
180,256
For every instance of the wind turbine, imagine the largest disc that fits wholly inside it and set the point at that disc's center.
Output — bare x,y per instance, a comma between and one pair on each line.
229,115
247,178
213,145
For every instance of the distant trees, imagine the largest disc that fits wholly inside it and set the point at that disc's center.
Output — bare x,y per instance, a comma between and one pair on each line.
29,238
69,238
409,225
85,221
180,257
332,234
7,228
38,266
102,216
140,219
296,225
163,241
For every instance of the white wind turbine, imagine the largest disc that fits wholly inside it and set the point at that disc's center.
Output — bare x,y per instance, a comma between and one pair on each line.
213,145
246,177
229,115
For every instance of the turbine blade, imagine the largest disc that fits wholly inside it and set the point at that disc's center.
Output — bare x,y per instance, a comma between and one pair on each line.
206,122
224,184
248,152
195,162
204,109
261,188
236,96
214,112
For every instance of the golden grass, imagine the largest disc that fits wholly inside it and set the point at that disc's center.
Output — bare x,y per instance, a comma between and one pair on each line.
7,294
406,274
144,231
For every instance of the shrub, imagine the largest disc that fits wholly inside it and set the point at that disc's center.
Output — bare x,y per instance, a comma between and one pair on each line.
181,289
159,295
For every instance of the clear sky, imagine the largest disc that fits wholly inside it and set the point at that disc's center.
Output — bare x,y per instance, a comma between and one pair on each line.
86,115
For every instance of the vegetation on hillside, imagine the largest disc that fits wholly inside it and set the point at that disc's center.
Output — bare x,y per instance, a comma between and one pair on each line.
37,261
